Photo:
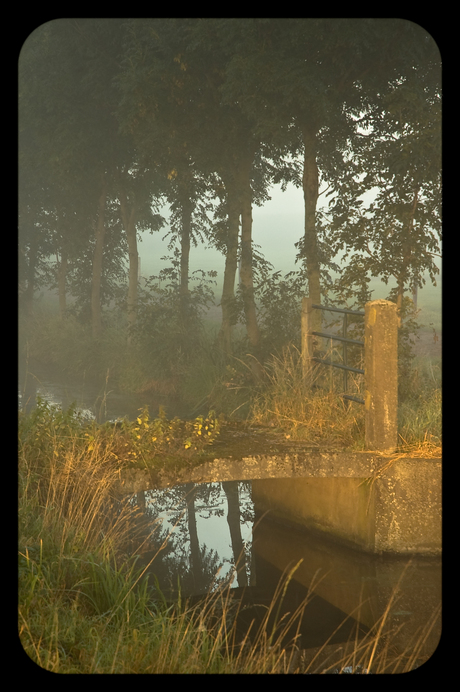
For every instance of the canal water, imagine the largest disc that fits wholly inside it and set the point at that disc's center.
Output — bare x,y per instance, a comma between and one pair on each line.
196,538
92,399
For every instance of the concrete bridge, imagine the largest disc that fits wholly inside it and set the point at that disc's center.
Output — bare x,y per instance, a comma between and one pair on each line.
377,501
379,504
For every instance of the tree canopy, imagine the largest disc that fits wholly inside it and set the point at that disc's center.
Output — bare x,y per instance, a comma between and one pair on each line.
118,117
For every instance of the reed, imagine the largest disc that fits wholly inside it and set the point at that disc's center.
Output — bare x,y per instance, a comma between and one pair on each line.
85,606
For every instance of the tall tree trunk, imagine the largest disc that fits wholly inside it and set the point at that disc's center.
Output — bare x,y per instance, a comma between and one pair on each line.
96,310
62,273
407,254
231,265
246,270
129,223
310,182
186,230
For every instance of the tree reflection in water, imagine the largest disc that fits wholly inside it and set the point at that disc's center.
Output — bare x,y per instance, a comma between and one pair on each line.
177,526
195,538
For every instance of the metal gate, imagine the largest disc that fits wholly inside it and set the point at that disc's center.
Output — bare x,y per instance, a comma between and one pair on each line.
345,340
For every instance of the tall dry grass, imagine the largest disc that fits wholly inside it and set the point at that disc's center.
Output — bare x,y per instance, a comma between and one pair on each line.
67,479
304,409
85,607
420,411
316,412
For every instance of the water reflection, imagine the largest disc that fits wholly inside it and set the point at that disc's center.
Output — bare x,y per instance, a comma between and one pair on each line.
196,533
92,399
404,591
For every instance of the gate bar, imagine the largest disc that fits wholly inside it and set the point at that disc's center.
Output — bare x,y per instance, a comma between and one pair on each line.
338,338
338,365
353,398
343,310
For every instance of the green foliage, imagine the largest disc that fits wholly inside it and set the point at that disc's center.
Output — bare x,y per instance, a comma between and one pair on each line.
407,336
420,405
279,301
49,433
169,330
115,591
113,277
46,432
420,421
147,439
396,157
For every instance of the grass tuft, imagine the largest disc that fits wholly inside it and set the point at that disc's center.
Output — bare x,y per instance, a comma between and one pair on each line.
303,409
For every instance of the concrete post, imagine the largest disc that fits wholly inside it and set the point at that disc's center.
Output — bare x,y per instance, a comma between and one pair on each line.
306,337
381,375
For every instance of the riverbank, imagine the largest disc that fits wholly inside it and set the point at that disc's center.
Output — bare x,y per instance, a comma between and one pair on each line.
83,604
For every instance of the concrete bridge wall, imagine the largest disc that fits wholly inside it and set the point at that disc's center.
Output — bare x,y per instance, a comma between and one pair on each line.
375,503
396,512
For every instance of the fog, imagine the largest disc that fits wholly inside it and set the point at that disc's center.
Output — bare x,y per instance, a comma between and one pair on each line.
277,226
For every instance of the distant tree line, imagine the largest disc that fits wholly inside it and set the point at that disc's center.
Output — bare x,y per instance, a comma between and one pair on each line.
118,117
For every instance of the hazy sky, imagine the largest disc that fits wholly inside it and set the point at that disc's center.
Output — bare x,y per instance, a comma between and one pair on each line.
276,227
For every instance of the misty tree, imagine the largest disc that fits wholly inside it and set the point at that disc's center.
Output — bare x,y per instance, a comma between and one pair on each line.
48,181
172,104
138,210
237,159
395,158
155,110
311,77
67,110
57,109
116,115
